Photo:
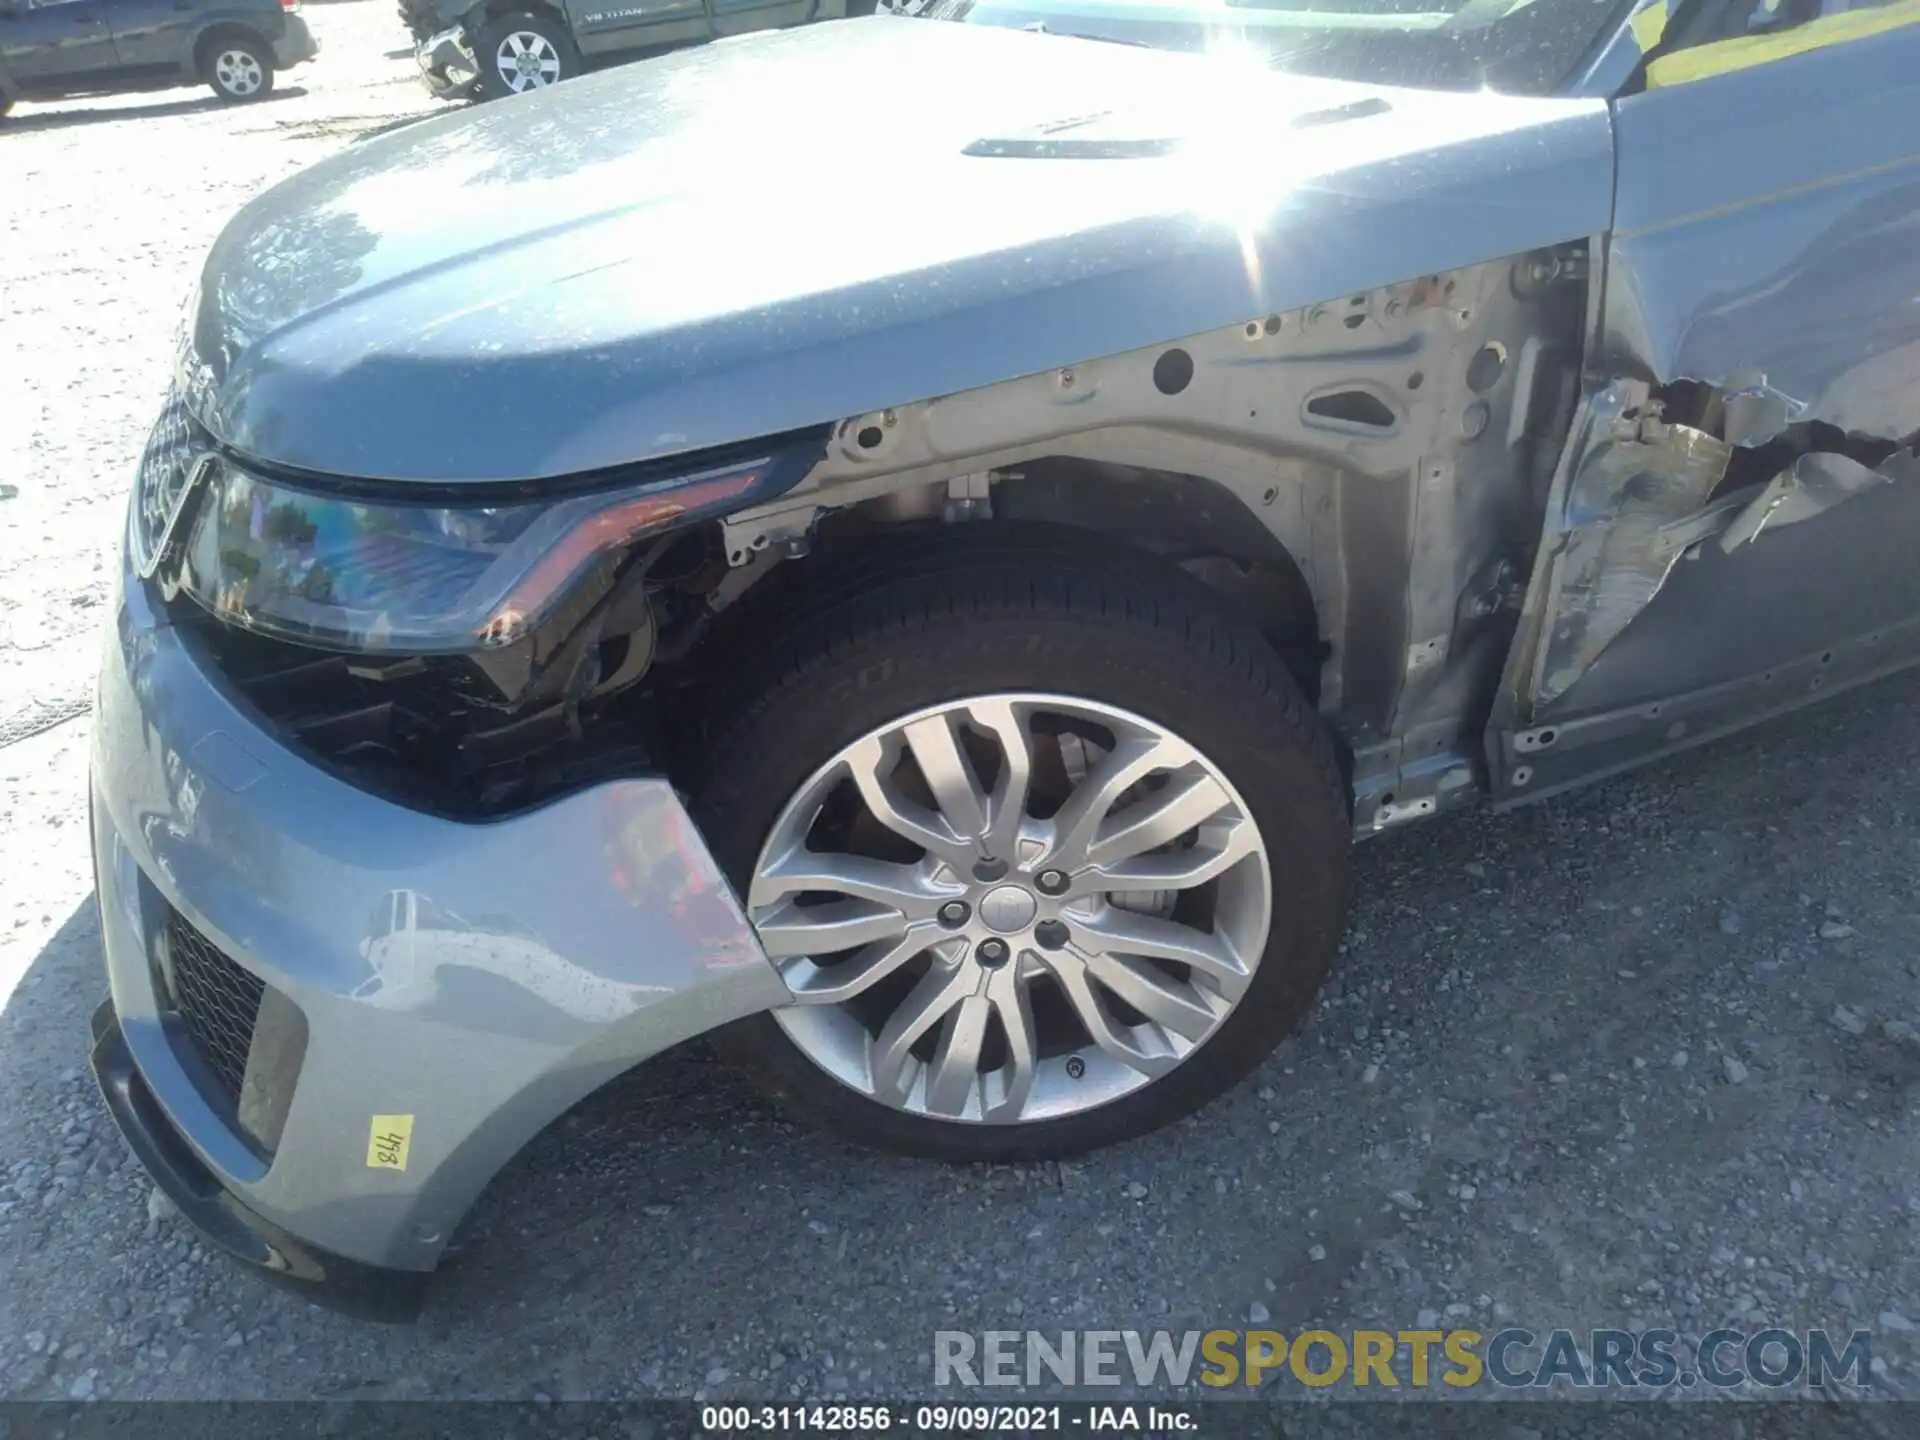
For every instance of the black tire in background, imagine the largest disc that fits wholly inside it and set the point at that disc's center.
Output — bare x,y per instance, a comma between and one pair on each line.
238,67
1038,612
538,30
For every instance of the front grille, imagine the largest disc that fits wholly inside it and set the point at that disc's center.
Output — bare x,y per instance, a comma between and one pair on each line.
216,1000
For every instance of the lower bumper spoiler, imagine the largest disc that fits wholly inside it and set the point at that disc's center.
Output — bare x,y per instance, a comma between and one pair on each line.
366,1292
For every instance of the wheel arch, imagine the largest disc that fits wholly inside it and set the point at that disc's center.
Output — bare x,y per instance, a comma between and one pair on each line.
489,12
220,32
1038,613
1146,515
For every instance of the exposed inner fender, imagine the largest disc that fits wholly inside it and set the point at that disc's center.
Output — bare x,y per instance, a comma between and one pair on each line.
1395,444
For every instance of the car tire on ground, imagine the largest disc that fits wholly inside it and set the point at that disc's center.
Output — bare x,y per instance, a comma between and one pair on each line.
524,51
238,68
917,681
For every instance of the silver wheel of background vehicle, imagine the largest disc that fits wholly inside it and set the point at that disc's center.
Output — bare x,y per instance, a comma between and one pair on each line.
238,73
1011,908
526,61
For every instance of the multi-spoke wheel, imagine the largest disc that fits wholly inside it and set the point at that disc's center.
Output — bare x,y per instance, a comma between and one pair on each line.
1011,907
1045,857
238,67
523,52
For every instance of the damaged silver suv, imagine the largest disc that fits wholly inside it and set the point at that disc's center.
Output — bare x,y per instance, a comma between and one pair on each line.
934,616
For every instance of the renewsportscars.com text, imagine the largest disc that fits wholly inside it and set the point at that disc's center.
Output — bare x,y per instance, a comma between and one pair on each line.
1510,1359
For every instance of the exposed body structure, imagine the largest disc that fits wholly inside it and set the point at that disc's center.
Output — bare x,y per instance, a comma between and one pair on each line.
959,675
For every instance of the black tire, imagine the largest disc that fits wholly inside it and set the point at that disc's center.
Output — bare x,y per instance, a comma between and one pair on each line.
225,62
493,85
1042,612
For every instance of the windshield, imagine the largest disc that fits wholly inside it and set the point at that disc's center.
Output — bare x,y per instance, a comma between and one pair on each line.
1530,47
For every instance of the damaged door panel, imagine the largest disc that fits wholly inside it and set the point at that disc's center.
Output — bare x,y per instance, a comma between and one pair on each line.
1731,532
1767,240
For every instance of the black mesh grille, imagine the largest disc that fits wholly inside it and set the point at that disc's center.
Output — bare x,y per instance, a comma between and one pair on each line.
218,1002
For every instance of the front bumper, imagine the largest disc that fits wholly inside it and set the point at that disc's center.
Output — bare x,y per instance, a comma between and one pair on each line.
472,980
447,64
296,44
368,1292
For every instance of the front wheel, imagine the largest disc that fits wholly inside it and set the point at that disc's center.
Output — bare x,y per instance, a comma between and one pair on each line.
240,69
1050,852
523,52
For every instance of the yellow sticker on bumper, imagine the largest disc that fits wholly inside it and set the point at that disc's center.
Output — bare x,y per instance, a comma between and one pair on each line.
388,1140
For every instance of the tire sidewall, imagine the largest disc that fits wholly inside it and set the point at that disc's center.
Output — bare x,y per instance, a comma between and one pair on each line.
486,52
1148,670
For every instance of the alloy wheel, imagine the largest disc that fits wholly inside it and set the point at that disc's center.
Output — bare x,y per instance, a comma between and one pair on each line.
526,60
1011,908
238,72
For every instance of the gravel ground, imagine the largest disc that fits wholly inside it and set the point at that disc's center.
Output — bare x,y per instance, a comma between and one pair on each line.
1643,1056
107,208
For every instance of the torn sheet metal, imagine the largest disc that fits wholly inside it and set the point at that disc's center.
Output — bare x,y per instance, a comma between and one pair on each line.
1814,484
1638,505
1754,411
1767,226
1624,505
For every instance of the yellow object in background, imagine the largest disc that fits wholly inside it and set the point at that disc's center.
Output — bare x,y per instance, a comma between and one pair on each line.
1743,52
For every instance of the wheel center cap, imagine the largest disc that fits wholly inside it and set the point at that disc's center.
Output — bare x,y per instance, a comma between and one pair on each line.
1007,909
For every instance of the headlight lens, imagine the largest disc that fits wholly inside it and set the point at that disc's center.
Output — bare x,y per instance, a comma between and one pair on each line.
176,448
345,573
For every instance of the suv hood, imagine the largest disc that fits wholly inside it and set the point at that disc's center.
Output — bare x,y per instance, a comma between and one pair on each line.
792,228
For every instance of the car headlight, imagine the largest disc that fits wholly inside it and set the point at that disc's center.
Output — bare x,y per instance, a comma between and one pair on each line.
175,452
349,571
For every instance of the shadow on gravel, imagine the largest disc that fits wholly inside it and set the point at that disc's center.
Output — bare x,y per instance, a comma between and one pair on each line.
677,1188
1515,988
352,128
154,110
1568,1052
374,131
44,1020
